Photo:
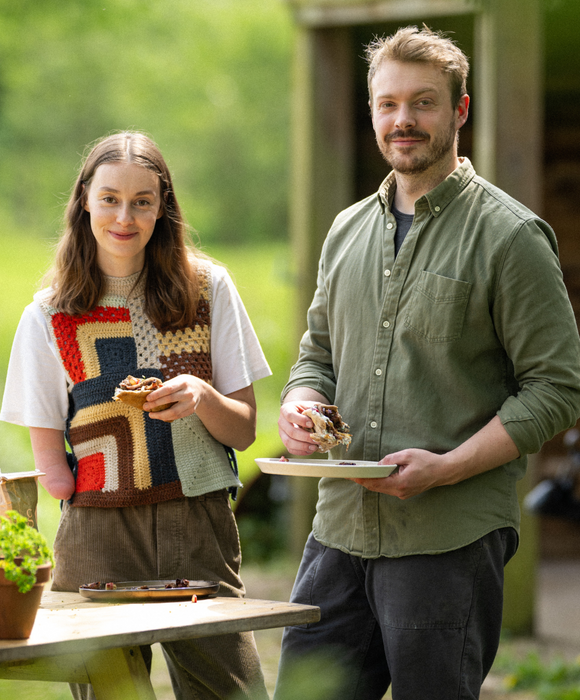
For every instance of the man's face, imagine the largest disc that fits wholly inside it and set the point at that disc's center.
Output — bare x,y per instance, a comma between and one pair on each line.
414,121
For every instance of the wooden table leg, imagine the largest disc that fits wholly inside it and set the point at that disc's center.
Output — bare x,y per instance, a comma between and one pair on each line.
119,674
68,668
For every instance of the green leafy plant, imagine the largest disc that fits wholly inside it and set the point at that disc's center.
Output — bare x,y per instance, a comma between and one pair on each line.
553,680
22,550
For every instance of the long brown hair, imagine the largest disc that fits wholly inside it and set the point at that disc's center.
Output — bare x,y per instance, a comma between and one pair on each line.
170,270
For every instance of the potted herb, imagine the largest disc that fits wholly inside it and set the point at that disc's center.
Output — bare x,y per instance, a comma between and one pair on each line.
25,564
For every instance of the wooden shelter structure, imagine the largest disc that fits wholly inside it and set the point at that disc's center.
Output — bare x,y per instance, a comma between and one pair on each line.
336,161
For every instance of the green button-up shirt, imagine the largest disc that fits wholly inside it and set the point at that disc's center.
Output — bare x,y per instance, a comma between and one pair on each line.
470,320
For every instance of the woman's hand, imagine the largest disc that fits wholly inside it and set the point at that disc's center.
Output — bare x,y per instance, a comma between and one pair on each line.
185,391
230,419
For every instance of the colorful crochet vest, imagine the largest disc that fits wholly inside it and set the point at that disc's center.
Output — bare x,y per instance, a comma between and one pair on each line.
123,457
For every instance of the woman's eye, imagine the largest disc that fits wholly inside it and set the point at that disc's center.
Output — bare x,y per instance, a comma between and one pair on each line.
143,203
109,200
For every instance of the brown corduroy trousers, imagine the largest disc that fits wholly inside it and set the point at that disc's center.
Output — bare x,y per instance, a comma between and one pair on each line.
194,538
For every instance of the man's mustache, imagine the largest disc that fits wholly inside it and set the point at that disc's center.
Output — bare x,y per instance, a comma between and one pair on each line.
409,134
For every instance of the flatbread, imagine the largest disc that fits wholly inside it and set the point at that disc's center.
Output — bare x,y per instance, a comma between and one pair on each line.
329,428
135,391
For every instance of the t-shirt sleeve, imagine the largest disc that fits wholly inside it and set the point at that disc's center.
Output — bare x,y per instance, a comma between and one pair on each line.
237,358
35,394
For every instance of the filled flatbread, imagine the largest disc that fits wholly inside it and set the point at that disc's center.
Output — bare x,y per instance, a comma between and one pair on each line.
329,428
135,391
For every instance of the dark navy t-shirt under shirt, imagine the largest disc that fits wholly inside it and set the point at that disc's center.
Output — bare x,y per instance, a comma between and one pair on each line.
404,223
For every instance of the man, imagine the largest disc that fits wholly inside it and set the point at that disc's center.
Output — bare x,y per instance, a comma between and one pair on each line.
442,330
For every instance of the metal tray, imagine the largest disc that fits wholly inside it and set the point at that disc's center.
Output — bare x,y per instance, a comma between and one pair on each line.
343,468
156,591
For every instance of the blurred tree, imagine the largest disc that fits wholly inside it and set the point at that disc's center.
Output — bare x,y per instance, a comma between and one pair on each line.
208,80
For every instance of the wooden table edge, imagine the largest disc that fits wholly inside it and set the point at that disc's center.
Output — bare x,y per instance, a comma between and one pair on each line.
270,616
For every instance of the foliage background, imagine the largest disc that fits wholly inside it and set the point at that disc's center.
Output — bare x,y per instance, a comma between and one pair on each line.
209,81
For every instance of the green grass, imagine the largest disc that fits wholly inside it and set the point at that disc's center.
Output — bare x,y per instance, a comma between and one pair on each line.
547,676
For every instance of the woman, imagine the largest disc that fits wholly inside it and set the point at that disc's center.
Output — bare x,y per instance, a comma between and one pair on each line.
149,495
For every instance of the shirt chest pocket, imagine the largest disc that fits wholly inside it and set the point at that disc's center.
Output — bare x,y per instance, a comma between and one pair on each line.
437,308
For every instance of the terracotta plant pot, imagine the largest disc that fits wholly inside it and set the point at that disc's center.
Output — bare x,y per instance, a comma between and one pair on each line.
18,610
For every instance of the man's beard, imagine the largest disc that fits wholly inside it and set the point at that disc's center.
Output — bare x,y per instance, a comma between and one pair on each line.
436,151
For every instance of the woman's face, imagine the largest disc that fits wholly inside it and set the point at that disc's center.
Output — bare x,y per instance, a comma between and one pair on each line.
124,202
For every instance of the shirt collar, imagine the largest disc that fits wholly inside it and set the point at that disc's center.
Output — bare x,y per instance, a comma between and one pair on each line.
439,197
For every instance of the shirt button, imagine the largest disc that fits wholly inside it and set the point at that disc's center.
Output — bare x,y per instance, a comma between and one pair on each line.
373,424
437,208
378,372
386,324
387,273
389,225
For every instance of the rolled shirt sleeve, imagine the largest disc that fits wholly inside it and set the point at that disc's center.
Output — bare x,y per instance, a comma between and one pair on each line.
535,323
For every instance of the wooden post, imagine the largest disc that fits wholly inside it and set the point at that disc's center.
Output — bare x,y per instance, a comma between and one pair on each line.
520,573
322,177
322,185
508,129
508,100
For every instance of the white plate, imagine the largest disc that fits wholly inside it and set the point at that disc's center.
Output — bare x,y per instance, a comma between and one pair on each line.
345,468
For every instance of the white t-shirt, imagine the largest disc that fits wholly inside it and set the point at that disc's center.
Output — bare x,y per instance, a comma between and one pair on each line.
36,392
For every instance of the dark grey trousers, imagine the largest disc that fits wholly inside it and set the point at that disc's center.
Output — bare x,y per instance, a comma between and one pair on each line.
428,625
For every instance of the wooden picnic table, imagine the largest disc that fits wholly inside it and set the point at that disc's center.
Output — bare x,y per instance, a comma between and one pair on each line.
77,640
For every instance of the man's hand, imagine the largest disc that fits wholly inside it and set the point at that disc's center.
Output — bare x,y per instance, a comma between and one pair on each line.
421,470
418,471
293,426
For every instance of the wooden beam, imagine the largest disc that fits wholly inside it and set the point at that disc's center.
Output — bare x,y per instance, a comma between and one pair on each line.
115,674
68,668
329,13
